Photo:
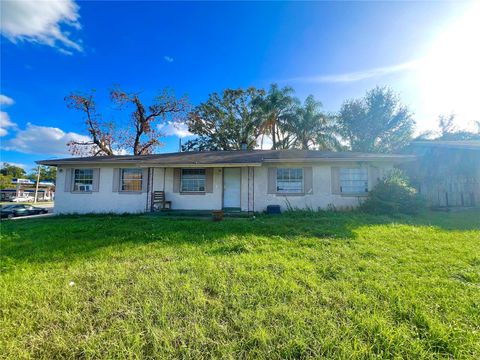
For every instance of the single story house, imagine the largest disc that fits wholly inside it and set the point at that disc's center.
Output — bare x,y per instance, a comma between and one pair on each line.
213,180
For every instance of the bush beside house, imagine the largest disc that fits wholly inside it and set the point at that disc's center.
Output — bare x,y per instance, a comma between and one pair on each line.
393,194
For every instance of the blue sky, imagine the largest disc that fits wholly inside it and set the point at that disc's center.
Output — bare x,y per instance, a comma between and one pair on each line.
335,51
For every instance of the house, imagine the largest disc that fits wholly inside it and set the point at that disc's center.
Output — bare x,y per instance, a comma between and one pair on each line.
212,180
447,172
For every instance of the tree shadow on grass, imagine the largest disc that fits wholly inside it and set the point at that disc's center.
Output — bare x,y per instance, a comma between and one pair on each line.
69,238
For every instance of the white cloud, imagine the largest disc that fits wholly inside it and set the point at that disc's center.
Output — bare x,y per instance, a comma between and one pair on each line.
5,100
5,123
168,58
41,22
122,152
65,52
42,140
360,75
174,129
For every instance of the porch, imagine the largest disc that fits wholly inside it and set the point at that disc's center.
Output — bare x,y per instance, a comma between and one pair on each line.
200,189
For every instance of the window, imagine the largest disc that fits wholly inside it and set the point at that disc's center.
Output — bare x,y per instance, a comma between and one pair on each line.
83,180
193,180
290,180
131,180
353,180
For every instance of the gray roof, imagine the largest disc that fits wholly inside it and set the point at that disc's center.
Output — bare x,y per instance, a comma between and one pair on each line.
452,144
254,157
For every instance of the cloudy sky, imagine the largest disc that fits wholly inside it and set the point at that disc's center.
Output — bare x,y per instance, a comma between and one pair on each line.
427,51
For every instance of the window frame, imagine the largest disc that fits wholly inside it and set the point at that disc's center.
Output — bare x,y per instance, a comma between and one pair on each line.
193,191
74,181
122,180
354,193
289,192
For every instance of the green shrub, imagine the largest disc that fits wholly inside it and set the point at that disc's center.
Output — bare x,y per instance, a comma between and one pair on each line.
393,195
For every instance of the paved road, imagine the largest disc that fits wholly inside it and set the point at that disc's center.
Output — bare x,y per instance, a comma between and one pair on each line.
48,205
33,216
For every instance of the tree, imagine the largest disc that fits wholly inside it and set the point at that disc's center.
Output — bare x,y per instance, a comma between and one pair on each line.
47,173
226,121
311,128
5,181
101,133
449,131
278,106
12,170
376,123
141,136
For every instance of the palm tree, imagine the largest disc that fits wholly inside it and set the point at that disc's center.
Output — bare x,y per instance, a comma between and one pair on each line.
312,128
277,105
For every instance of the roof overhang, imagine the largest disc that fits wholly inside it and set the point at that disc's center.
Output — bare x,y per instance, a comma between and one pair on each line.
392,158
142,164
227,159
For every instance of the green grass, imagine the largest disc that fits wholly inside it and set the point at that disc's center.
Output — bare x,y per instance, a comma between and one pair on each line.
301,285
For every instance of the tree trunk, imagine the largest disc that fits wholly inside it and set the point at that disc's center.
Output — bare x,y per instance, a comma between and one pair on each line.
274,140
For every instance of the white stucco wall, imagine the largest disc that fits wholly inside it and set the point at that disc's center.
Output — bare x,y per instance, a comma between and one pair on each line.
105,200
207,201
321,196
102,201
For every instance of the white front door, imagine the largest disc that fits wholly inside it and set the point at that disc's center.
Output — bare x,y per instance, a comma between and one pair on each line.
231,187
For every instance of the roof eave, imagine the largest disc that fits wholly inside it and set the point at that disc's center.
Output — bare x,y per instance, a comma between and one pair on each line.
400,158
144,163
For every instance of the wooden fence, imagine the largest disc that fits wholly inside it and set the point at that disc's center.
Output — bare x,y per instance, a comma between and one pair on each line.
452,191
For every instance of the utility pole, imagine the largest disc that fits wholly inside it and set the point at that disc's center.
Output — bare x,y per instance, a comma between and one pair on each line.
36,186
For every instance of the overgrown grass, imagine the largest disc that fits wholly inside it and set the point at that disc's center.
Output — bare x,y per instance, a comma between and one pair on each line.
294,286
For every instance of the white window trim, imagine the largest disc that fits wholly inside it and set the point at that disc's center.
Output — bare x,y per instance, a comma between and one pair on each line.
74,181
193,191
301,192
121,181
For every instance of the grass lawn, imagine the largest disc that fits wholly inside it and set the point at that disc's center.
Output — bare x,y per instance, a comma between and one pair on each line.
294,286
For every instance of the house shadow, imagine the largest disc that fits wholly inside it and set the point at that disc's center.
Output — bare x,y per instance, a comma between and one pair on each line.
70,238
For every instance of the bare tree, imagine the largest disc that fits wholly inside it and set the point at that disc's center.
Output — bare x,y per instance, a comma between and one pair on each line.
141,136
101,134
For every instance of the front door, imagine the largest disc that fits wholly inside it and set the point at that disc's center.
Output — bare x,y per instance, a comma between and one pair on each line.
231,188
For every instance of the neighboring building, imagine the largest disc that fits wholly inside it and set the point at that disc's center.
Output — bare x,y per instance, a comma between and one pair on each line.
447,173
23,187
212,180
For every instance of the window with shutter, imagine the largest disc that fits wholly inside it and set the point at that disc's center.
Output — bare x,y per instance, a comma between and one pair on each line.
131,179
353,180
289,180
193,180
83,180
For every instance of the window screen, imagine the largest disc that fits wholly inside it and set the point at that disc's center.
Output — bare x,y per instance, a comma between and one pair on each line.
193,180
83,180
131,180
290,180
353,180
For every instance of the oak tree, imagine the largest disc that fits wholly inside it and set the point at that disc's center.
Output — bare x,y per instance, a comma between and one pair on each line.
226,121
